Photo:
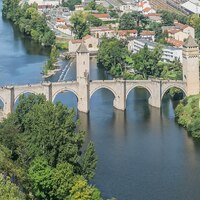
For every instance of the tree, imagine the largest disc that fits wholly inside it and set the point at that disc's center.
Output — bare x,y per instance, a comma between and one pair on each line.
88,163
71,4
94,21
60,182
29,21
79,24
9,190
127,22
112,52
81,190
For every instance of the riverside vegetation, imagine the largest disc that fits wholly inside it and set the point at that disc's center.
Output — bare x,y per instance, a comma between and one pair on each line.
188,115
29,21
42,154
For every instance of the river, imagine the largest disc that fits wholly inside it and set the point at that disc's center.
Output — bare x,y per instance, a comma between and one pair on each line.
142,153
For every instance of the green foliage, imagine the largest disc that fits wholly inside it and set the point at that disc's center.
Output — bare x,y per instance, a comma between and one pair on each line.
194,21
127,22
94,21
81,190
62,45
93,6
188,115
89,161
169,17
9,191
50,64
71,4
79,24
47,152
148,64
113,14
29,21
133,20
112,55
59,182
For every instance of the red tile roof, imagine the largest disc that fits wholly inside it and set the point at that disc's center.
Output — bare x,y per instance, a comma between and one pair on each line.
144,33
102,15
126,32
174,42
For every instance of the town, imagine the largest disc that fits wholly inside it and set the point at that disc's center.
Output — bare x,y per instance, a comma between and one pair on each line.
99,99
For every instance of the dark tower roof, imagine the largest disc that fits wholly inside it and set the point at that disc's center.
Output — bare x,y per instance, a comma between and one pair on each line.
82,49
190,42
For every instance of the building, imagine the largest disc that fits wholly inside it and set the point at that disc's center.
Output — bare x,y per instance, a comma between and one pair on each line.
169,53
44,2
103,17
192,6
179,31
124,34
79,7
175,42
90,42
148,35
155,17
101,31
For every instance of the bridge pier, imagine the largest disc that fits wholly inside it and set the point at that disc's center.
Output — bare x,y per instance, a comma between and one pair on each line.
48,91
9,100
120,99
156,91
83,97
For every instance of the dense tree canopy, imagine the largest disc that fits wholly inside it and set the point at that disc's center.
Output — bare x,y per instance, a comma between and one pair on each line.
188,115
47,158
79,24
71,4
29,21
94,21
112,55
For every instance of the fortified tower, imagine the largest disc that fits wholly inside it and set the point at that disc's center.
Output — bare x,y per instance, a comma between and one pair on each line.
191,66
82,76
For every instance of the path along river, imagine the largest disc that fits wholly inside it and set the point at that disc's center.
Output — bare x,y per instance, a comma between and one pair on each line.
142,153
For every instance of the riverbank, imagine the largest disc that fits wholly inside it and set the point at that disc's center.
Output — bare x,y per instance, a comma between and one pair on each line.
188,115
29,21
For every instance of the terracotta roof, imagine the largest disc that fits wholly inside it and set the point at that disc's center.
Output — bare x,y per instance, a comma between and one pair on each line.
60,20
87,37
146,9
173,31
190,42
105,15
126,32
180,25
143,33
174,42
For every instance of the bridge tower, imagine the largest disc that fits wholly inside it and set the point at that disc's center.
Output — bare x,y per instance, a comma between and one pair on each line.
82,76
191,66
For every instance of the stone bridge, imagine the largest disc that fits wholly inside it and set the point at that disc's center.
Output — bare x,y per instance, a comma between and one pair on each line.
84,88
119,88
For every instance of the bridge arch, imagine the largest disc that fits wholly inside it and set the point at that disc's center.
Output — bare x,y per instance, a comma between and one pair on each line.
24,92
138,86
103,87
64,90
182,88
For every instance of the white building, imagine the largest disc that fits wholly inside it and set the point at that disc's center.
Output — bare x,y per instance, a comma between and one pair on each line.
169,53
192,6
44,2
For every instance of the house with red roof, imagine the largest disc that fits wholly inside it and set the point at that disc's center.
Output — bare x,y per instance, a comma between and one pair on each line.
148,35
179,31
